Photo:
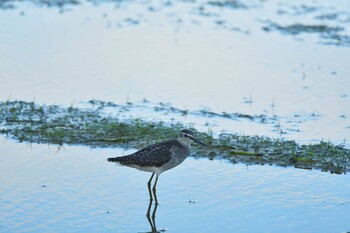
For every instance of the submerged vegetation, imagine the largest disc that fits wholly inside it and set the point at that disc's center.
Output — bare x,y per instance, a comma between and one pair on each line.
33,123
330,24
330,34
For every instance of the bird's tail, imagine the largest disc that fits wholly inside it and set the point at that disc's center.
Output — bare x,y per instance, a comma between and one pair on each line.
122,160
116,159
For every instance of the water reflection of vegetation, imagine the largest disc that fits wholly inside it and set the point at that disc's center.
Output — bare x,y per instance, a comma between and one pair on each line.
33,123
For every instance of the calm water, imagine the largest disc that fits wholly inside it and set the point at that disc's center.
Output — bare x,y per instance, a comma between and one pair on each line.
75,189
212,58
219,59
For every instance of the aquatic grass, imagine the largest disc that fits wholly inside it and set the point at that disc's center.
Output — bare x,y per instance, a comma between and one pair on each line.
298,28
52,124
330,35
233,4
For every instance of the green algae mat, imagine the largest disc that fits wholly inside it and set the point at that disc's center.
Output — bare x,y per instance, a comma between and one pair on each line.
52,124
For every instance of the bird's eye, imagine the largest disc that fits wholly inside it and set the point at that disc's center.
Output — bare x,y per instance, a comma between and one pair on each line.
186,135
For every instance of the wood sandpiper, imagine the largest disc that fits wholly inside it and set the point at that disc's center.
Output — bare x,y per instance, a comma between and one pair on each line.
160,157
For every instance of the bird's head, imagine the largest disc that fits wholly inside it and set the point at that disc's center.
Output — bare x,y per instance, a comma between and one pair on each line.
188,136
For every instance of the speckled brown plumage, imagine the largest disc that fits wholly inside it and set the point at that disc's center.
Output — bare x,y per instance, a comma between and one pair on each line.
155,155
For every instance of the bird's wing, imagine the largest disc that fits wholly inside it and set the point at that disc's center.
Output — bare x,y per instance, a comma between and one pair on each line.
154,155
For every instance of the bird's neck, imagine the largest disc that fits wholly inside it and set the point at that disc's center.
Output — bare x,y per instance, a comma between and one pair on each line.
185,142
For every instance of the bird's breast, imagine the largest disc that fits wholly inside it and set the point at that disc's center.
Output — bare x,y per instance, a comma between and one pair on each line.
180,153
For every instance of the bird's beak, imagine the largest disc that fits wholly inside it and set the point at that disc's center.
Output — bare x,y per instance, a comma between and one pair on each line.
199,142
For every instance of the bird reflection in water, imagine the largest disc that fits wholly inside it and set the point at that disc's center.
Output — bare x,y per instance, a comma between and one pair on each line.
152,218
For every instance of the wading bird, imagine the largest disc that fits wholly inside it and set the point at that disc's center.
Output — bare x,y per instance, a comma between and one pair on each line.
160,157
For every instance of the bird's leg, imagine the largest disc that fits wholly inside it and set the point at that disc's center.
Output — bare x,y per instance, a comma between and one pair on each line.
149,188
155,191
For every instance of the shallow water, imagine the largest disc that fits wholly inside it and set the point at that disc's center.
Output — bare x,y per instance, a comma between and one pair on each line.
75,189
195,57
190,54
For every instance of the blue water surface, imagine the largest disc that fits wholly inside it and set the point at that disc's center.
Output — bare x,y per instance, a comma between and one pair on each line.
75,189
